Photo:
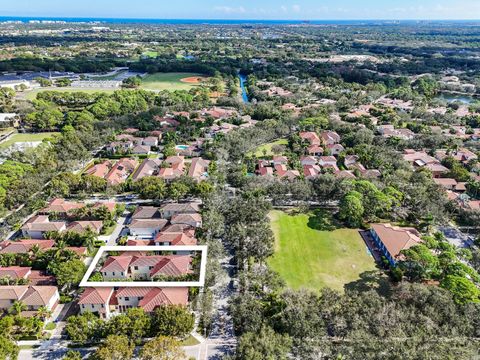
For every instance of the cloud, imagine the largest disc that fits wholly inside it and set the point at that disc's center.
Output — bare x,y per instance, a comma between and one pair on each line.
230,9
284,9
296,8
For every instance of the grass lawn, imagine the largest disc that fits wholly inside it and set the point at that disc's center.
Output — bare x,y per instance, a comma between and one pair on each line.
18,138
167,81
190,341
268,148
313,259
150,54
31,95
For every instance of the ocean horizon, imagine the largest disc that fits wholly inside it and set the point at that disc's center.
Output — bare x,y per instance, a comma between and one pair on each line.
27,19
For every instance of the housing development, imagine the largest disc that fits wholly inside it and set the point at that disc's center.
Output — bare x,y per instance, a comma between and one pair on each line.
239,190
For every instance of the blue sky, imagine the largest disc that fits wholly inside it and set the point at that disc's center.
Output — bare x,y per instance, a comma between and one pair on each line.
247,9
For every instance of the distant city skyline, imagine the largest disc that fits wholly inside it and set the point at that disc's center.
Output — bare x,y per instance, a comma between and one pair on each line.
249,9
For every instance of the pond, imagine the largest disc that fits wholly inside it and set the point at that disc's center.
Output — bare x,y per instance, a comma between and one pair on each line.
452,97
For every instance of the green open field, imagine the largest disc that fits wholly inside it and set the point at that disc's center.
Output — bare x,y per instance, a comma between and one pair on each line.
313,259
150,54
259,151
32,94
167,81
17,138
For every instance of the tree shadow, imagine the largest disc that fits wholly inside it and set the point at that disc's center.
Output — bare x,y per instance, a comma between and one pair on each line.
375,280
322,220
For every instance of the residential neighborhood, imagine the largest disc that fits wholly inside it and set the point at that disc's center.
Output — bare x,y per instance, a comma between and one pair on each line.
251,181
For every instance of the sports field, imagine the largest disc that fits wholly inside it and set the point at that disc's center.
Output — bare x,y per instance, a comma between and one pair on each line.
19,138
170,81
313,259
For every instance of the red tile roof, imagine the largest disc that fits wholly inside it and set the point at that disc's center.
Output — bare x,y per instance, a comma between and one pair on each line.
15,272
116,263
174,265
396,238
164,296
93,295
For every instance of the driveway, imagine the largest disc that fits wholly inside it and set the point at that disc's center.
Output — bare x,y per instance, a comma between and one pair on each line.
111,239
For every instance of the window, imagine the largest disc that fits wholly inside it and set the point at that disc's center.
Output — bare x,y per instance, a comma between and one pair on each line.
135,267
83,306
150,267
127,298
113,273
103,305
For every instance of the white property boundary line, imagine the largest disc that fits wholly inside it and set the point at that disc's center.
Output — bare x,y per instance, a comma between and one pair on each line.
101,250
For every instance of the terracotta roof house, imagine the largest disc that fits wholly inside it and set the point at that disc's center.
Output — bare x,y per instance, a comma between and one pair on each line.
265,171
345,174
198,169
308,160
311,171
116,267
446,183
176,228
15,272
330,137
436,169
391,240
280,160
164,296
311,137
315,150
150,141
33,297
327,160
139,242
141,150
99,170
38,225
146,228
170,209
96,300
24,246
61,207
194,219
177,162
290,174
121,171
149,267
418,158
463,155
82,226
219,113
473,205
146,298
146,212
335,149
174,238
169,173
149,167
280,169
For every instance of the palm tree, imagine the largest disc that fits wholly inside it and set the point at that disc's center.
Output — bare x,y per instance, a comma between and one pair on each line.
35,251
59,247
17,308
43,313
